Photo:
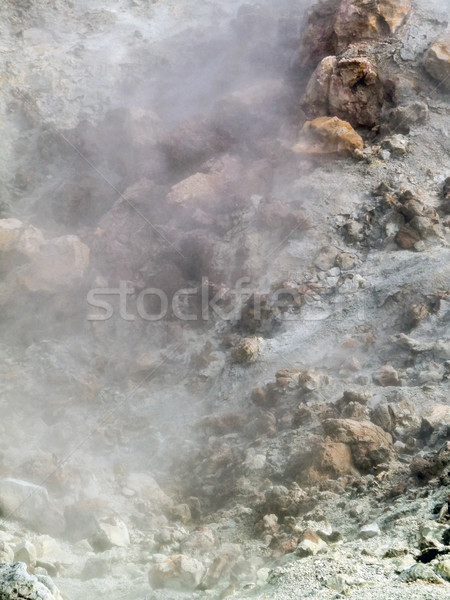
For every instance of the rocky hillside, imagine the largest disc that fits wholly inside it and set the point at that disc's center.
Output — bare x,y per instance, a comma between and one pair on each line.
225,301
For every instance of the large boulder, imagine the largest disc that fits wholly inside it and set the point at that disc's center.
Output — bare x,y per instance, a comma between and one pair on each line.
370,445
437,60
348,88
15,582
358,20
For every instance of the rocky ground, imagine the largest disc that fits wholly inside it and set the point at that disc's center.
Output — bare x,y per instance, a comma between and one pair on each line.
281,428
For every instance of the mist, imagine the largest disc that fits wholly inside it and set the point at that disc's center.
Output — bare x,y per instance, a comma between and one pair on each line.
223,242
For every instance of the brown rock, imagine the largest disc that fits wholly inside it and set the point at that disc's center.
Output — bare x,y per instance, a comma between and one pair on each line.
407,238
348,88
370,445
179,572
437,60
358,20
247,351
328,135
386,376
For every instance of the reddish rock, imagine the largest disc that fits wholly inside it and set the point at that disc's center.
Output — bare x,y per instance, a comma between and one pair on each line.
370,445
386,376
407,238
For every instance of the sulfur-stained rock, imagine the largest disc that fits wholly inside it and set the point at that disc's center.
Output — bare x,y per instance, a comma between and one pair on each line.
358,20
348,88
437,61
328,135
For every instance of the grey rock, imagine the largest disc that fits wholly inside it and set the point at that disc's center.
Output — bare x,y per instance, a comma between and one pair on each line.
15,582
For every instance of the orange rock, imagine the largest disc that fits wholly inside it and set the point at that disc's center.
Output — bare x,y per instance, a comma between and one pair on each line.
328,135
437,60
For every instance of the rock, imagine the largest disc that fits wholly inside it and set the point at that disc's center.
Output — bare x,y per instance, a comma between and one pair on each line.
15,582
328,460
181,512
407,237
386,376
434,419
370,445
148,490
30,504
95,568
222,565
437,61
310,544
58,266
310,380
111,533
443,569
328,135
348,88
246,351
178,572
6,553
400,119
420,572
358,20
396,144
200,541
369,531
26,553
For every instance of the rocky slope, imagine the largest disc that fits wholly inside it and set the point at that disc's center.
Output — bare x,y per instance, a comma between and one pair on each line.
225,300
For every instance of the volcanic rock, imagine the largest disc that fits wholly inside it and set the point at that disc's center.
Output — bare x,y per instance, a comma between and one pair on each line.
328,135
179,572
437,61
15,582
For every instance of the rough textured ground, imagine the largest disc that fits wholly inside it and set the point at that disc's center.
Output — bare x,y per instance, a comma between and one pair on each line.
301,453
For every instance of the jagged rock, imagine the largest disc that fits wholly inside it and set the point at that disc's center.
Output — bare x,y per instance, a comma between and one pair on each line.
30,504
15,582
247,350
370,445
310,544
328,135
25,553
437,61
438,416
401,118
386,376
348,88
328,460
358,20
396,144
222,565
178,572
199,541
111,533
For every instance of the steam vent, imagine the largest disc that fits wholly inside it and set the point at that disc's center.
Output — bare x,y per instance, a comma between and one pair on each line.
224,299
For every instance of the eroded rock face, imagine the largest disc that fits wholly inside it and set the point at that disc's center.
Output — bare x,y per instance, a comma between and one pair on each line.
348,88
358,20
370,445
15,582
328,135
335,24
437,61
